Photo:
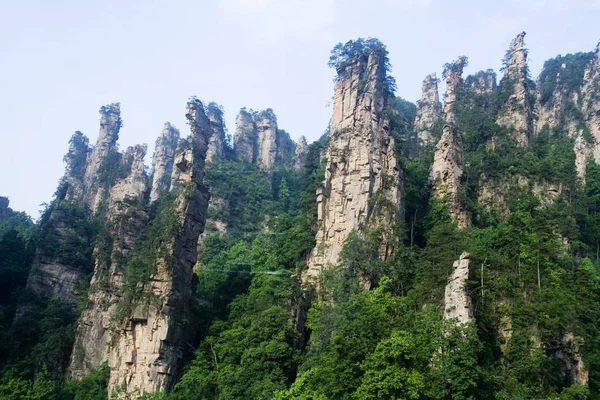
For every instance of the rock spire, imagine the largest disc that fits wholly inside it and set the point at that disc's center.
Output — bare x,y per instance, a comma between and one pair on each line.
448,161
429,110
517,111
361,163
162,161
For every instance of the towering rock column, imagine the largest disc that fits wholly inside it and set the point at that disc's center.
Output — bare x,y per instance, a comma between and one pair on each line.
361,163
429,110
266,127
245,138
148,345
103,155
216,145
301,152
162,161
457,303
125,217
448,157
517,113
76,160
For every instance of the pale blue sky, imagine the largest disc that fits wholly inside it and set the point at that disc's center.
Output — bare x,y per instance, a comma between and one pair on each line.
63,59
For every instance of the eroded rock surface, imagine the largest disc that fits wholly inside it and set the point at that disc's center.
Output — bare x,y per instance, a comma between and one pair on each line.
361,164
162,161
448,162
216,146
148,345
245,138
125,218
457,303
429,110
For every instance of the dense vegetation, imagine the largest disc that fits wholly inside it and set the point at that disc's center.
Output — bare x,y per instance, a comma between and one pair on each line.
536,278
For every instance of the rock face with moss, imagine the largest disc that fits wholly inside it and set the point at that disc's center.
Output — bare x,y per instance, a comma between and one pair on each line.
363,182
216,146
103,156
429,110
589,134
150,339
162,161
457,303
517,109
448,160
124,219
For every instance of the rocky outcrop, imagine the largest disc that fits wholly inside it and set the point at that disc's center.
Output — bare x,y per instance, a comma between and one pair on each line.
457,303
162,161
103,156
590,106
429,110
363,183
245,138
301,153
448,161
516,113
148,344
75,160
216,146
125,218
572,365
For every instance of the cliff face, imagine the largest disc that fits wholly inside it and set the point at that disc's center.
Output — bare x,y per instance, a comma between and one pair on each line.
125,217
148,344
590,106
517,111
457,303
429,110
216,146
360,163
162,161
102,156
448,161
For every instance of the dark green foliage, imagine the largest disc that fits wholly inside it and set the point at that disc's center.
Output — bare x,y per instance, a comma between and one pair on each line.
554,77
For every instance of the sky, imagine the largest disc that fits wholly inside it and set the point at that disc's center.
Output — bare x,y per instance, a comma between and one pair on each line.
61,60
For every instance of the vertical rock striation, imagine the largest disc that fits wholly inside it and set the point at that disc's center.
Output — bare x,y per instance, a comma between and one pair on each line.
162,161
447,165
103,156
362,171
590,106
245,138
266,128
216,146
124,219
516,112
429,110
457,303
301,153
148,345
